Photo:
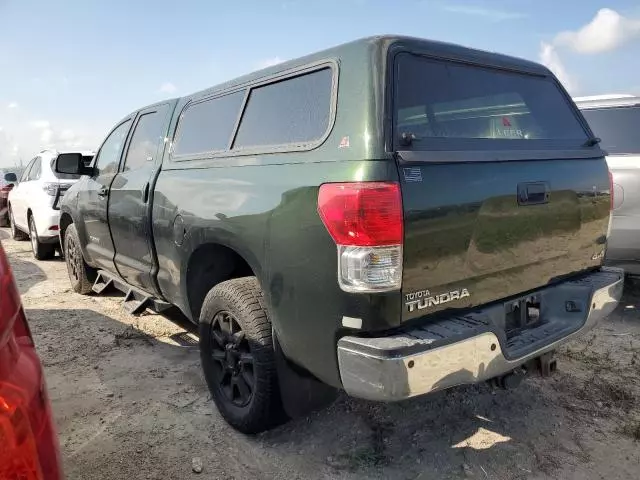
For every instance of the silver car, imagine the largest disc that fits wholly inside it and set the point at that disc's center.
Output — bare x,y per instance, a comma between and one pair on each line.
616,120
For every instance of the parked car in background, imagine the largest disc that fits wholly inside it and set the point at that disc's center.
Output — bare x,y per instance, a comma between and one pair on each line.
33,203
28,442
438,221
8,180
615,119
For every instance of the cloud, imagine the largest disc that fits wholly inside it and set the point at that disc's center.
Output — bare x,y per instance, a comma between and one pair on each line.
167,87
13,105
8,148
51,137
493,14
268,62
22,138
550,58
40,123
607,31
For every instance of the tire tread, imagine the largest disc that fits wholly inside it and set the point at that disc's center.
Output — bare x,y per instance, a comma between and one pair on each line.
245,297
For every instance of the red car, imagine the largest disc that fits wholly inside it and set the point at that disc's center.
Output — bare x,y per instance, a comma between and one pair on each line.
29,447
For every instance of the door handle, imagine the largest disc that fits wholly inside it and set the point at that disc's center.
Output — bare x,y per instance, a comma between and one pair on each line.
533,193
145,193
102,192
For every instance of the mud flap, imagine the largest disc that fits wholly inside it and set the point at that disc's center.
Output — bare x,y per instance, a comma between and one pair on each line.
301,393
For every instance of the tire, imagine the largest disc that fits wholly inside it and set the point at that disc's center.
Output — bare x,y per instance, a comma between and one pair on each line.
239,303
81,275
16,233
41,251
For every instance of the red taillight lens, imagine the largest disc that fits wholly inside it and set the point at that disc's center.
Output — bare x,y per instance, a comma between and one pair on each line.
365,221
611,190
362,213
28,442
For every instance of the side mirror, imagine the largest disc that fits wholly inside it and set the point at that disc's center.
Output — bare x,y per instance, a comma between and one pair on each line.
72,164
10,178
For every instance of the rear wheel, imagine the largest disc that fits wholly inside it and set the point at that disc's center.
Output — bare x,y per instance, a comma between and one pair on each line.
236,350
16,233
81,275
41,251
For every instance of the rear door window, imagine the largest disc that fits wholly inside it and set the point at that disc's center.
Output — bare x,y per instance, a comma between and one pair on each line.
448,105
619,128
36,170
25,174
147,137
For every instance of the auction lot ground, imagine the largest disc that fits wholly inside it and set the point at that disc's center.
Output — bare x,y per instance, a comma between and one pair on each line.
131,403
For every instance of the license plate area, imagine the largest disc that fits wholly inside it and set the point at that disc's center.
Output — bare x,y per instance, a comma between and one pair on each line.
522,314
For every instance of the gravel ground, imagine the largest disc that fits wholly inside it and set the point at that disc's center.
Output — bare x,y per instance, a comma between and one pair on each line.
131,403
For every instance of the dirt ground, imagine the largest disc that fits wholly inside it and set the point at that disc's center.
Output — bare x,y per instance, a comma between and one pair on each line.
131,403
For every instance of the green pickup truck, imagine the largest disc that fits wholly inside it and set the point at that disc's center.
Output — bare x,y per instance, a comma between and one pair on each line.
390,217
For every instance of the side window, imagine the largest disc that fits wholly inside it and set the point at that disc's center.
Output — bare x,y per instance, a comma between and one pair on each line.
618,128
207,126
147,136
108,157
36,169
25,174
294,110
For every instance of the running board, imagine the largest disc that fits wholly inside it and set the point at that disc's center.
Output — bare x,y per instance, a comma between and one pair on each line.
135,301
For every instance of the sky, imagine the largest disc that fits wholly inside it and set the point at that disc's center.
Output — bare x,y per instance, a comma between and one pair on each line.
70,69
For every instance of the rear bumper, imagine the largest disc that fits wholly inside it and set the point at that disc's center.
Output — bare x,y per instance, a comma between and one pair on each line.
47,220
471,348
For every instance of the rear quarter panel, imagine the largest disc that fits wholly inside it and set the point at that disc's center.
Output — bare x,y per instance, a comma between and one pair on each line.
268,215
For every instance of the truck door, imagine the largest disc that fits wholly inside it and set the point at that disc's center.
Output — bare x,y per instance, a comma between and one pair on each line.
92,200
129,199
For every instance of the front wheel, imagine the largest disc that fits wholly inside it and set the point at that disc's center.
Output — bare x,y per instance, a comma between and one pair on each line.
41,251
236,351
81,275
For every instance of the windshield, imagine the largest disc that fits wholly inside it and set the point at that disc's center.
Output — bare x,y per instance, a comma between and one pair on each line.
455,106
617,127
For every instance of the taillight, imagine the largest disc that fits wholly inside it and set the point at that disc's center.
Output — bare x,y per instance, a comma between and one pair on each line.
51,188
28,442
365,220
611,190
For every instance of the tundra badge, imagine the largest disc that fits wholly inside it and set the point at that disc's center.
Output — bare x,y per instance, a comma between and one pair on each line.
423,299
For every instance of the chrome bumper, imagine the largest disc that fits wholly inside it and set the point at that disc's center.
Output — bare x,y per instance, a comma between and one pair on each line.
412,363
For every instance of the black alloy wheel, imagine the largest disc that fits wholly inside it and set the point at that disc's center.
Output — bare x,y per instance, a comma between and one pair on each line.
232,359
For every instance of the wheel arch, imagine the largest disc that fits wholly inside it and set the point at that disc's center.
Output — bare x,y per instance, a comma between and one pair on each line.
67,219
209,264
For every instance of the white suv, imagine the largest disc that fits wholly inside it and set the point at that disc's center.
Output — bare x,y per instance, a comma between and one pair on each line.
33,203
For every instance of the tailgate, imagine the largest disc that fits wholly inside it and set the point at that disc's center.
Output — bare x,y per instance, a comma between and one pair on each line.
504,189
479,232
